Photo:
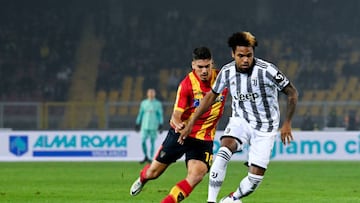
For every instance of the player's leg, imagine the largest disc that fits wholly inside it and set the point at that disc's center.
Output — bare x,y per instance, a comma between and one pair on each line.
198,159
149,172
232,141
168,153
218,168
178,193
144,137
153,136
259,157
249,184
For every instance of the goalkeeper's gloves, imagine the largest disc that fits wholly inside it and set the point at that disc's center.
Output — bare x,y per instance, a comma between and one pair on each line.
137,127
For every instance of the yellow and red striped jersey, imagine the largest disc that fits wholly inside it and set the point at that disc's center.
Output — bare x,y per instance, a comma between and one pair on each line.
189,94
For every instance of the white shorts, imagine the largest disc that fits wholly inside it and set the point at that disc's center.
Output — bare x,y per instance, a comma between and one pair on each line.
260,143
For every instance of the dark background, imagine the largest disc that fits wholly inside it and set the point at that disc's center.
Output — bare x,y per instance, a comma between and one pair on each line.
41,48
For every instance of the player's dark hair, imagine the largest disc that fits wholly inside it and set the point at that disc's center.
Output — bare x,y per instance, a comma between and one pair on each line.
242,39
201,53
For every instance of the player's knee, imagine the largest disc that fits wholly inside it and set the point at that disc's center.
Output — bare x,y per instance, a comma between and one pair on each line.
232,144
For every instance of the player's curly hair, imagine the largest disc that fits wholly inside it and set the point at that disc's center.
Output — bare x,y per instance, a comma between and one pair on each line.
242,39
201,53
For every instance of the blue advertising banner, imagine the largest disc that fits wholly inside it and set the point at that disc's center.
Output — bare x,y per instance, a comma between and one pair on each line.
126,146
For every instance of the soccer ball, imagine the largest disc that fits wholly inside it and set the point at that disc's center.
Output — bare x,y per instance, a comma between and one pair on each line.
230,199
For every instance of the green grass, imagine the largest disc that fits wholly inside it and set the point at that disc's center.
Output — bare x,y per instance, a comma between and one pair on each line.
90,182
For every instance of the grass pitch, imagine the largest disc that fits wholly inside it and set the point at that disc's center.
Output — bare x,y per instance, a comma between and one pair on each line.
93,182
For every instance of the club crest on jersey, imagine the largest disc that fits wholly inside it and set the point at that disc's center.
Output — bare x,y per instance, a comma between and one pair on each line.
196,102
162,154
254,81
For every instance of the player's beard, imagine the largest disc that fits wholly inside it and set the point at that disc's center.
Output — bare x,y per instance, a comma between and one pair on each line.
244,70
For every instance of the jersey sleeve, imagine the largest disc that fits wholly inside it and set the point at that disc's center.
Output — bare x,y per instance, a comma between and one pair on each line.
160,113
140,114
277,77
182,95
220,82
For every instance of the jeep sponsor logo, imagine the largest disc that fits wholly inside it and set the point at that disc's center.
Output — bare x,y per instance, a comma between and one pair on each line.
246,97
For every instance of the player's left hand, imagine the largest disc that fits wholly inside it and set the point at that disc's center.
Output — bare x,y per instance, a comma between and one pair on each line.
160,128
177,125
285,133
137,127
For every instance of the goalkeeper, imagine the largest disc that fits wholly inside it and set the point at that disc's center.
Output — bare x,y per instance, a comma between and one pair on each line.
150,119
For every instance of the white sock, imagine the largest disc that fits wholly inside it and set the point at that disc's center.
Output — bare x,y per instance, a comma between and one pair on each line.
248,185
218,172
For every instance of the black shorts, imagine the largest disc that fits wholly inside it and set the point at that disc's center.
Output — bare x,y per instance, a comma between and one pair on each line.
170,150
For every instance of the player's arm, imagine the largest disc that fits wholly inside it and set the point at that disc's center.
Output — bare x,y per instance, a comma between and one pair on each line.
181,103
140,113
160,114
139,117
176,121
205,103
292,98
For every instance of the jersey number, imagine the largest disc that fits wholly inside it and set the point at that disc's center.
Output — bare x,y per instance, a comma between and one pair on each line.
208,158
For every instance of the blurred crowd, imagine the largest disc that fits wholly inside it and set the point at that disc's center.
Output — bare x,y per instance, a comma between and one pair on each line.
39,40
37,47
152,39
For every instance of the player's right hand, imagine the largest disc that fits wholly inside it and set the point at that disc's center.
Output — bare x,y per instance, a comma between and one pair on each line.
184,132
177,125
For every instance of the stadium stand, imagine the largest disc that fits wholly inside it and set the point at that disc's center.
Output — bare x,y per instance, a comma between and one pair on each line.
42,43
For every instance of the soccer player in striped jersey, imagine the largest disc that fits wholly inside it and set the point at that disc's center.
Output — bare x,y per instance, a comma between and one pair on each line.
198,147
254,85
